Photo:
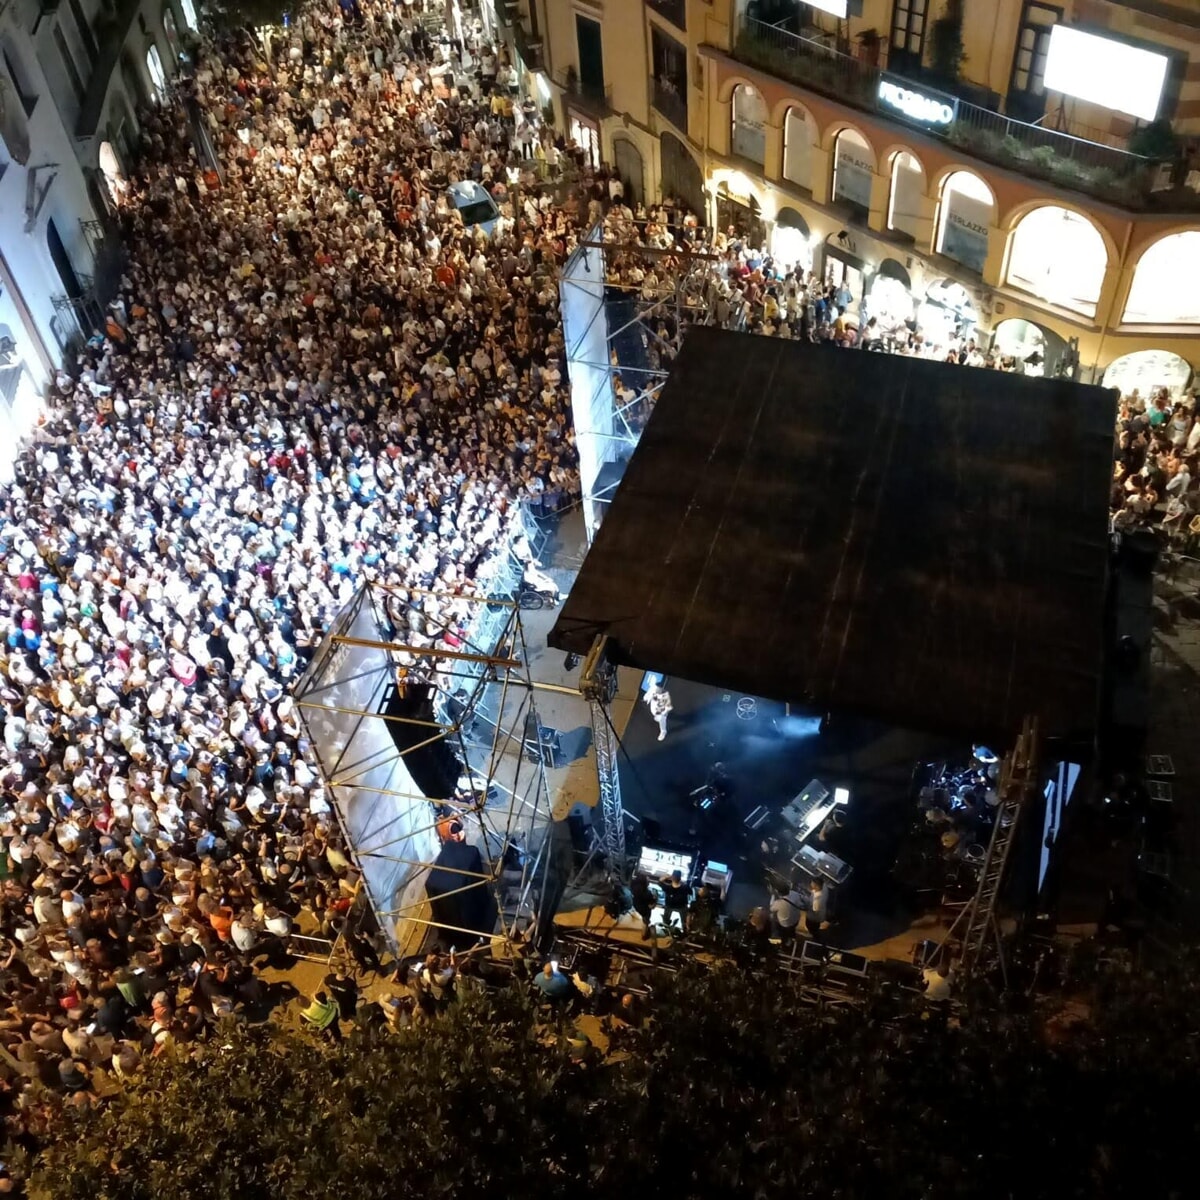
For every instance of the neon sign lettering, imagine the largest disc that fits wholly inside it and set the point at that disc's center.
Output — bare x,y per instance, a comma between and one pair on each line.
914,105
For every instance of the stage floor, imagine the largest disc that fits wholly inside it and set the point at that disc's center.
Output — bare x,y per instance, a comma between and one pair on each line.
769,757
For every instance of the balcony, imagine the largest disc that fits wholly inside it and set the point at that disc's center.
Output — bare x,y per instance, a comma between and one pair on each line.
588,95
671,102
1105,172
528,47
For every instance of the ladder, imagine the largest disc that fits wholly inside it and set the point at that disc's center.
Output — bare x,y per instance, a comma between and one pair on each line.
1018,777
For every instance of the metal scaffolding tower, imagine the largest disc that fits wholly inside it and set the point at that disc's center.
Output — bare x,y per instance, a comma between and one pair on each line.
1018,777
598,685
621,338
479,701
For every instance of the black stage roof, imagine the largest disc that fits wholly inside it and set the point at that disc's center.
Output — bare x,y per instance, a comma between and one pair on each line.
911,541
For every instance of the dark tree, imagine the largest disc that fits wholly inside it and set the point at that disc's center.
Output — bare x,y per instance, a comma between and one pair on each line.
733,1088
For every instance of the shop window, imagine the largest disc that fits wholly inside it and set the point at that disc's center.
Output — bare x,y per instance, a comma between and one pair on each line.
964,218
1058,256
904,195
69,64
669,78
749,124
1164,289
154,69
799,138
19,79
1144,370
890,300
586,135
791,241
1030,349
110,168
853,171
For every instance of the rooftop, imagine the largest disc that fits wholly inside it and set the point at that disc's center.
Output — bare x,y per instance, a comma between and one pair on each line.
916,542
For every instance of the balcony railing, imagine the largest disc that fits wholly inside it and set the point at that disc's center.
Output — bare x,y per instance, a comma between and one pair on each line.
588,95
1106,172
670,102
528,47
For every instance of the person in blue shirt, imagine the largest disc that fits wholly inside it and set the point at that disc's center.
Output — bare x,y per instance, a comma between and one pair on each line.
553,984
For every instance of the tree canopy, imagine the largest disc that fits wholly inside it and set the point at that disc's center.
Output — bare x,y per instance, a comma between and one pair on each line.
733,1087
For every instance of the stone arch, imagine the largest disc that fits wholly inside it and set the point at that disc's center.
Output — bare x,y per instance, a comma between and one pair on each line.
965,214
1015,215
906,191
680,174
631,167
830,137
801,136
854,165
1152,300
748,122
1059,254
1148,369
725,92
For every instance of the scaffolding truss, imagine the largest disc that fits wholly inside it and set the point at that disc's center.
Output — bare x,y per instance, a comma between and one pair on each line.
623,305
458,664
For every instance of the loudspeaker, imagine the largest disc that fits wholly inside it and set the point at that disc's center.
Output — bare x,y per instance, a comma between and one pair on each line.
435,767
540,743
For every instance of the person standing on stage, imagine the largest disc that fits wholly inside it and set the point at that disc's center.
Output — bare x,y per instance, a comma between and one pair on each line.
675,899
643,901
816,917
659,700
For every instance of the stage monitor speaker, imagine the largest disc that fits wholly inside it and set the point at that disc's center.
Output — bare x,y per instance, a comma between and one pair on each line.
435,767
540,743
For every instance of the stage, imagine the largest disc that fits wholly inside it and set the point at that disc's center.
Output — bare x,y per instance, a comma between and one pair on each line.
769,756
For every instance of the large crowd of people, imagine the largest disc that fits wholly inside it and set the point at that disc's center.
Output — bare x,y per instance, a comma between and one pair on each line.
313,375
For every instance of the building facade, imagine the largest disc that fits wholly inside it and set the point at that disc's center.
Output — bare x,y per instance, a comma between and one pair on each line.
72,76
1029,169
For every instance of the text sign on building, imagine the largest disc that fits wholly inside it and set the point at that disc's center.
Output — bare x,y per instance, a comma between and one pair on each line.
924,108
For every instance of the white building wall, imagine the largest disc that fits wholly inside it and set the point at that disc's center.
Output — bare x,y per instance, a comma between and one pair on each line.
29,280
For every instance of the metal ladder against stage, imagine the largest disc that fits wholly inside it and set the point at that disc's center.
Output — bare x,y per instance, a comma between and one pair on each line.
597,683
1019,774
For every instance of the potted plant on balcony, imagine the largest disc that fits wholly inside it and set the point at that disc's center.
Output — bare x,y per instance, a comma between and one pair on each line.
946,55
869,42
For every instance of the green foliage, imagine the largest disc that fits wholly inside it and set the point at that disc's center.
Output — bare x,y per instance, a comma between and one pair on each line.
736,1087
946,53
1157,141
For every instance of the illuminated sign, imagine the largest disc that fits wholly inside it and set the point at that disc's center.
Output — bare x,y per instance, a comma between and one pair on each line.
837,7
1103,71
917,106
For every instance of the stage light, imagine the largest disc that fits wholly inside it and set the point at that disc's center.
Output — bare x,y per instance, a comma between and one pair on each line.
800,726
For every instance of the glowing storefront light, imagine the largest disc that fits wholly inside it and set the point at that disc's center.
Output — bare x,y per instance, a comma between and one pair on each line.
1165,290
1059,256
1144,370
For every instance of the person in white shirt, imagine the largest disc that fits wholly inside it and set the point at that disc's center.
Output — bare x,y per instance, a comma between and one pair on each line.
658,700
